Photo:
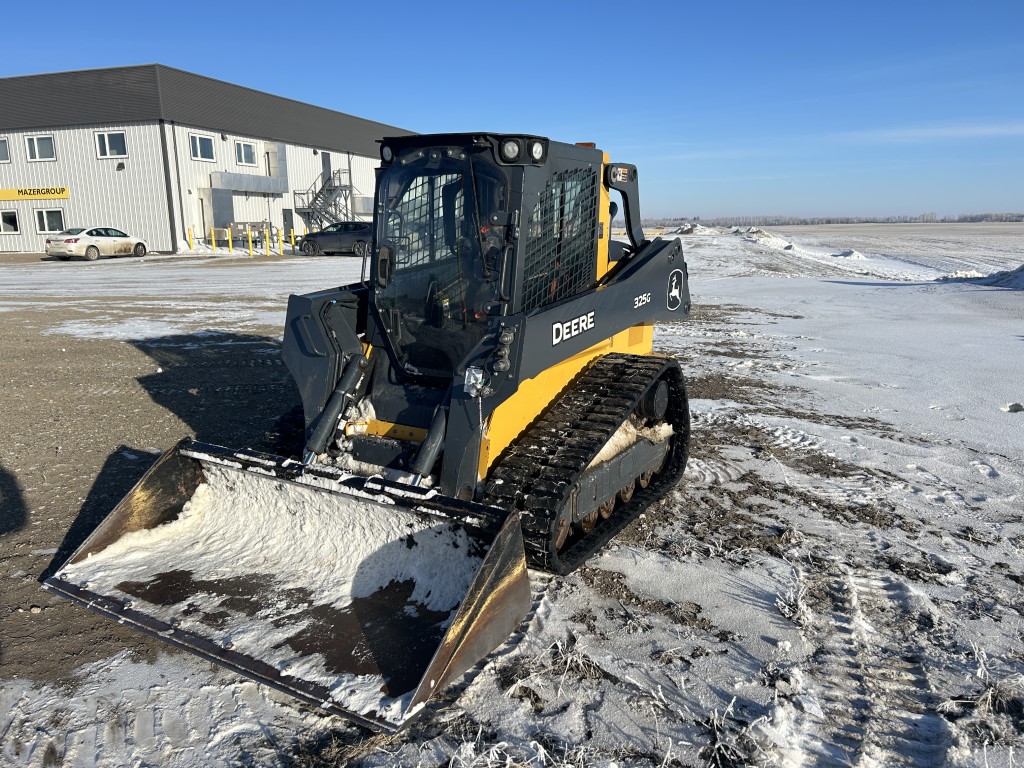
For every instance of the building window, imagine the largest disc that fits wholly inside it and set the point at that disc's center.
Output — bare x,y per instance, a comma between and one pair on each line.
9,223
49,220
245,153
5,152
112,144
202,146
40,148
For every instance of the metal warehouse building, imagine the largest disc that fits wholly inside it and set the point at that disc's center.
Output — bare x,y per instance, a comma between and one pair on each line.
157,152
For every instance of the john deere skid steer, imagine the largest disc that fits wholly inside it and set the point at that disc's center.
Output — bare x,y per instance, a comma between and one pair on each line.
484,401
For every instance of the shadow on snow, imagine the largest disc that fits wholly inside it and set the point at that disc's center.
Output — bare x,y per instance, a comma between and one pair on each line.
230,389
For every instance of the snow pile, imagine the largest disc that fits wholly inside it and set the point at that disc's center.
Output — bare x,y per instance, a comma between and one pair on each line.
265,559
240,522
685,229
690,228
700,229
1012,279
766,239
849,253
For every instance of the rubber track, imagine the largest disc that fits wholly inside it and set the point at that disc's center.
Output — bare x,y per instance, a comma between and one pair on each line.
537,474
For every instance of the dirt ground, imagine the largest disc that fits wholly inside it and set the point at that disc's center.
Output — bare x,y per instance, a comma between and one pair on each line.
83,419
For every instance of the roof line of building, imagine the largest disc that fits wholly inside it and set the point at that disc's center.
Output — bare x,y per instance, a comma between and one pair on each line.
143,92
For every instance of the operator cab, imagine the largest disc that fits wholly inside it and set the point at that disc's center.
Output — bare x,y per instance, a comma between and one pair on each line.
441,229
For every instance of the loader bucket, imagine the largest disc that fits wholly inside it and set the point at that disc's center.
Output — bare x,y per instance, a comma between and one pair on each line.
355,595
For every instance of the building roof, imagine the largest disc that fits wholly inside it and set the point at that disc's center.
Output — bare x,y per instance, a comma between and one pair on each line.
156,92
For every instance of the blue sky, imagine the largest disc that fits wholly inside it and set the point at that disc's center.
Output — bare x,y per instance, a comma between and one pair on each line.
727,108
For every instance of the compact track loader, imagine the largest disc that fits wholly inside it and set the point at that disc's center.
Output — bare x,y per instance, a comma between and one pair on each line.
485,400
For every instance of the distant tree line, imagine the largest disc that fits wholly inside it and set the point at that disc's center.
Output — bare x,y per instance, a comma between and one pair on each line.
786,221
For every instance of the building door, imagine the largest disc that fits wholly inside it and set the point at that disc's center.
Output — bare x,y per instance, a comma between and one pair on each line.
325,158
223,203
289,221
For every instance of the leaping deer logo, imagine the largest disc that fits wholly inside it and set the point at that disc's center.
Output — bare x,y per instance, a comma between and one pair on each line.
675,289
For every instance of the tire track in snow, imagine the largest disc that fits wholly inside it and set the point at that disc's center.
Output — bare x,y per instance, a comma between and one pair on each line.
10,710
851,486
131,713
702,474
873,696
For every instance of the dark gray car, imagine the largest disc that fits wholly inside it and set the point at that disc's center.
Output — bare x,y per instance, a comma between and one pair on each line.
343,237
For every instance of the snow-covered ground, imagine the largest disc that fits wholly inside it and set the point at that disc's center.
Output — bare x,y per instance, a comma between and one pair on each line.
839,581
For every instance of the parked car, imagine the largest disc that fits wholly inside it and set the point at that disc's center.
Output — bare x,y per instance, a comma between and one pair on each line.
92,242
343,237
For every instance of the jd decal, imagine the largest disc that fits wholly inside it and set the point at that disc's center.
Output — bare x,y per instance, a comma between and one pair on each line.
675,289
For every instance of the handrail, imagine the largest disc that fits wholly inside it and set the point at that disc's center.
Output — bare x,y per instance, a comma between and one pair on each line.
307,198
322,204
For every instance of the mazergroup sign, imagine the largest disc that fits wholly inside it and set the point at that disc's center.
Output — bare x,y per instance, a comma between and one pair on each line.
35,193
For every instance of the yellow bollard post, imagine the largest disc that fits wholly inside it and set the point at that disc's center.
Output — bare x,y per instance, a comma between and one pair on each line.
230,248
280,242
291,234
266,241
190,246
249,233
213,240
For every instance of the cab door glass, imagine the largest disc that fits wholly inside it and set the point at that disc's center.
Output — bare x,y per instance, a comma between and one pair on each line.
436,224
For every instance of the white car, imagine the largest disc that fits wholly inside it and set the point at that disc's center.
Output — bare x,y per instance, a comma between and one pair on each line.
92,242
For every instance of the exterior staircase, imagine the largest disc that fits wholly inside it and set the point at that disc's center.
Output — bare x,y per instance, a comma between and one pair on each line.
327,202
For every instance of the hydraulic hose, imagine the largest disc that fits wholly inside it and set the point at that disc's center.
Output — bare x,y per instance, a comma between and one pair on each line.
430,448
336,404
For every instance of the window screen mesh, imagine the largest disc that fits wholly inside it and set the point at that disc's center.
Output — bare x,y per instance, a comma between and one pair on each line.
422,218
561,239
